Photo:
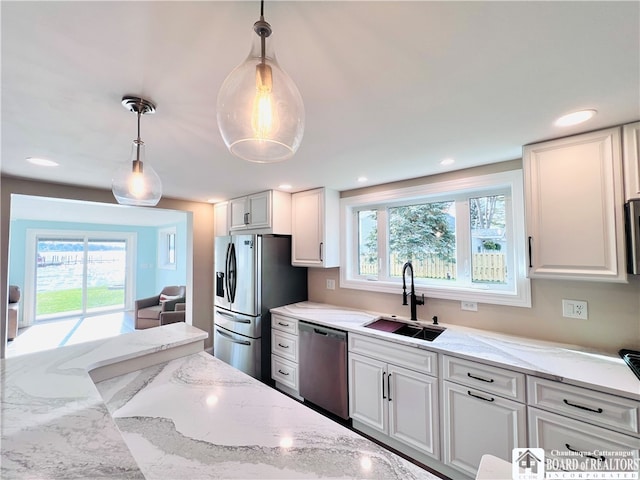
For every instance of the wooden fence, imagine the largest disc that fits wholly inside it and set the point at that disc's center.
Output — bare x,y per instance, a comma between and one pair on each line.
487,267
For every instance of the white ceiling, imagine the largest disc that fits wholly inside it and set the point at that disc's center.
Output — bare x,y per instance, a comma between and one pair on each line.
390,88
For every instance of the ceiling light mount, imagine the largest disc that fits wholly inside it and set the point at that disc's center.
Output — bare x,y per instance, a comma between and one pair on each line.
138,105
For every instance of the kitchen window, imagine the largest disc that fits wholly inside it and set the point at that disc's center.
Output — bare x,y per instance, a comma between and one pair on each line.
464,238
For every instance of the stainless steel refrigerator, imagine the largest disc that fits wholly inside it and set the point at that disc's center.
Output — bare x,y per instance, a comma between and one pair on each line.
253,274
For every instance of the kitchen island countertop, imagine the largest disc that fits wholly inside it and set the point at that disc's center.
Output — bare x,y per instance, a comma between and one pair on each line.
190,417
566,363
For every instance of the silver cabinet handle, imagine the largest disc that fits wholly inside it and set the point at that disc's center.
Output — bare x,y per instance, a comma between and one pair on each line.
389,386
321,245
230,338
283,324
283,373
283,346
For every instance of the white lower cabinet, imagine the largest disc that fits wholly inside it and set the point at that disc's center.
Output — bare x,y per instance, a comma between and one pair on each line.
284,354
483,413
400,403
586,446
477,423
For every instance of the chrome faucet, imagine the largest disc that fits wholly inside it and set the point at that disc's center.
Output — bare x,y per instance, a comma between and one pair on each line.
412,296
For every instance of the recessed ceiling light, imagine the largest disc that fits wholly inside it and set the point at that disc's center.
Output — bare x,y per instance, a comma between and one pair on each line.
285,186
42,162
213,200
447,161
362,179
574,118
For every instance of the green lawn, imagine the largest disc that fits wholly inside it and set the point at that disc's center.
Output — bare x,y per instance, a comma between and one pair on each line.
69,300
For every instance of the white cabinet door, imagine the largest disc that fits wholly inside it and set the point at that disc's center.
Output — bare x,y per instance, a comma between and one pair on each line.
307,239
315,228
237,214
259,210
631,160
367,391
413,409
573,191
477,423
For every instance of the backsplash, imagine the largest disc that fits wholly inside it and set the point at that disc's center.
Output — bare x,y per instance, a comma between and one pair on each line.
613,323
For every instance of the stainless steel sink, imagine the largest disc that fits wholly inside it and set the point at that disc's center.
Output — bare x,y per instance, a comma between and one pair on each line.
428,333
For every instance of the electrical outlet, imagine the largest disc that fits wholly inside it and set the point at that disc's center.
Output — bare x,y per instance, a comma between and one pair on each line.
331,284
471,306
575,309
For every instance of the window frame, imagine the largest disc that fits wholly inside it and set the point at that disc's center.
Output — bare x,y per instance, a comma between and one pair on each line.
518,294
167,248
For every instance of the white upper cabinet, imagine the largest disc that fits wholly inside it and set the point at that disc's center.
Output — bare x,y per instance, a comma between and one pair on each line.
574,207
631,160
264,212
315,228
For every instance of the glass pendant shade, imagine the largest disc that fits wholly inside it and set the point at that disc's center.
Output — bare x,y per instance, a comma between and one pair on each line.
259,108
136,182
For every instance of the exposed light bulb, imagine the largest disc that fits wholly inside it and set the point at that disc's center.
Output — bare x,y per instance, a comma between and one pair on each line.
137,186
264,116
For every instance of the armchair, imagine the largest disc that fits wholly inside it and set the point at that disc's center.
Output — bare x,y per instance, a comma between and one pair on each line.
12,311
178,315
148,310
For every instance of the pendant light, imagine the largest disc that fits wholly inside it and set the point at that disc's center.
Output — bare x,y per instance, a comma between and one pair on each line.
136,182
259,109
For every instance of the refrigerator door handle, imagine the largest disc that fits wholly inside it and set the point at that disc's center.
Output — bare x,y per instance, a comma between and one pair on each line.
233,268
232,317
231,339
226,273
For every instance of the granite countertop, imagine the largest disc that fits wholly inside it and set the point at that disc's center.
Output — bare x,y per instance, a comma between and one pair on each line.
567,363
216,422
193,417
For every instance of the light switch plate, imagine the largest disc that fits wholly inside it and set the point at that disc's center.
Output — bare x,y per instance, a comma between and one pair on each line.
331,284
575,309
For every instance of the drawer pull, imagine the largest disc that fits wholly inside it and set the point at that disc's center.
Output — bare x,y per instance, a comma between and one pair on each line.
599,410
480,378
283,346
283,373
480,397
283,324
601,458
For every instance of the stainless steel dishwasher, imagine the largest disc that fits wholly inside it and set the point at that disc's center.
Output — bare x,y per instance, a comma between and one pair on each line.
323,368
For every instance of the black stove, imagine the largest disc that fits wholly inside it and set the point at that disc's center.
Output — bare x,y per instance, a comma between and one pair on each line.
632,358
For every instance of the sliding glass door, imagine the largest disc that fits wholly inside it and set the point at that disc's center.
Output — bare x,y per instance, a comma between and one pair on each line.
79,275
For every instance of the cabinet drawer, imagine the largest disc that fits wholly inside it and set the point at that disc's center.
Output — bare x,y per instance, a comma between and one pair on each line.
563,438
583,404
484,377
284,371
413,358
284,324
284,345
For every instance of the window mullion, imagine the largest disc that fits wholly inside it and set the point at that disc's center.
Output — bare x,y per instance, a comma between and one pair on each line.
383,244
463,241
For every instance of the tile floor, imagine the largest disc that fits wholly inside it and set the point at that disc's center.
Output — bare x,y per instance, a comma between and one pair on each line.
54,334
